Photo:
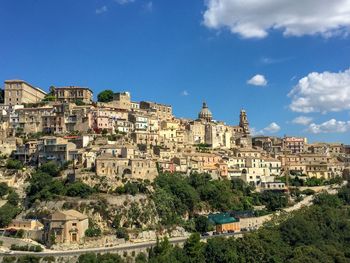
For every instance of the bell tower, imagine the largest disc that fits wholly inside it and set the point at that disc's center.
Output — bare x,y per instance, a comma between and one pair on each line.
243,122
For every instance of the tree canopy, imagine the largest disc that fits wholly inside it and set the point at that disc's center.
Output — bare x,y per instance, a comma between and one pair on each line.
105,96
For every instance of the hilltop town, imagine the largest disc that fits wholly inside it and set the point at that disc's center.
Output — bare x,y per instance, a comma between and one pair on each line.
78,173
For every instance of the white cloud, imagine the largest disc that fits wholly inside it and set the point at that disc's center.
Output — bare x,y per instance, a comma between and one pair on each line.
302,120
271,128
185,93
322,92
331,126
255,18
258,80
101,10
124,2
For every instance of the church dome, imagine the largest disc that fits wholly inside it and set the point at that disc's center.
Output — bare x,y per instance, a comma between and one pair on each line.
205,113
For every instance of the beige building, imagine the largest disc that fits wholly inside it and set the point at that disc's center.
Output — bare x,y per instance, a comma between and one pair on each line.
115,167
162,111
121,100
65,227
25,224
313,165
20,92
73,93
56,149
294,144
9,145
195,132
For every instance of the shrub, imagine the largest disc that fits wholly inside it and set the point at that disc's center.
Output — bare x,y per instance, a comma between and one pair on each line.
79,189
13,198
14,164
50,168
122,233
4,189
93,232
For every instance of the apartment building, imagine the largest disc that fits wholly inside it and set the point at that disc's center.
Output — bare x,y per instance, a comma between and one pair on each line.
162,111
73,93
55,149
19,92
294,144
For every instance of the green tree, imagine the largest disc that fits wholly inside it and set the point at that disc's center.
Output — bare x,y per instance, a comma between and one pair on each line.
50,168
327,200
28,259
7,213
193,249
49,97
105,96
141,258
220,250
88,258
201,224
122,233
109,258
300,231
165,207
13,198
131,188
43,187
344,194
79,189
274,200
4,189
14,164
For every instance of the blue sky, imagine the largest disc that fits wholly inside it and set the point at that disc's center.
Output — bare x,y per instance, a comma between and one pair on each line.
183,52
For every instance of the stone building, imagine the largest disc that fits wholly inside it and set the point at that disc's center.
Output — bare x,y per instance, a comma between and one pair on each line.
8,145
162,111
195,132
205,114
27,152
243,122
312,165
25,224
218,135
73,94
65,227
19,92
114,167
294,144
55,149
121,100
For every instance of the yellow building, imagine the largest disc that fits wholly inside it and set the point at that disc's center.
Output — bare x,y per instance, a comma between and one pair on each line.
73,93
224,222
19,92
65,227
25,224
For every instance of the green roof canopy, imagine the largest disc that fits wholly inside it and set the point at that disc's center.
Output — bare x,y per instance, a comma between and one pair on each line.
222,218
